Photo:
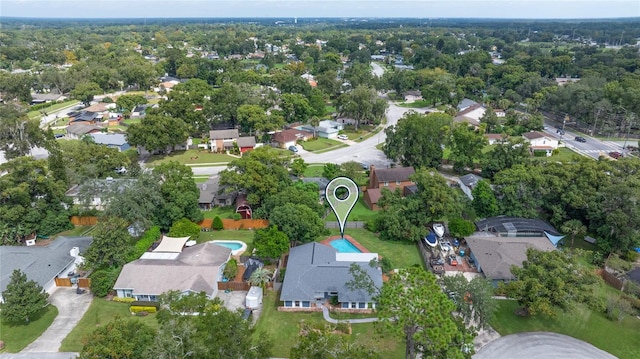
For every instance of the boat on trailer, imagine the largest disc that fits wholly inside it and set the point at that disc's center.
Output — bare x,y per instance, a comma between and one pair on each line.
431,239
438,228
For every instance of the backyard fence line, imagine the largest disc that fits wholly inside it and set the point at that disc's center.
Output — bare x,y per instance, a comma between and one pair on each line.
244,223
354,224
610,278
83,220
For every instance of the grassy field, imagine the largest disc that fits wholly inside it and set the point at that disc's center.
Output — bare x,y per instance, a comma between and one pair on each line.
76,231
53,108
321,145
314,170
191,157
415,104
618,338
222,212
564,155
17,337
360,212
401,254
100,312
283,328
131,121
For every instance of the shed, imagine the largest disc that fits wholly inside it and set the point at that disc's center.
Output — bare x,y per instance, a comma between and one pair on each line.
254,297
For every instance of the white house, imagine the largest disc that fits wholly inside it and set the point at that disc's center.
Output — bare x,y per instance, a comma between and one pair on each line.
539,141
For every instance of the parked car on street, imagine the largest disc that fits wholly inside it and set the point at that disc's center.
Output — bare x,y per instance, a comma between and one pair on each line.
293,148
615,154
581,139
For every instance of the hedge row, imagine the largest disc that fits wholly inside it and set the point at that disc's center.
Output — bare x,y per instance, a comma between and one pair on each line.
147,239
137,309
145,303
123,300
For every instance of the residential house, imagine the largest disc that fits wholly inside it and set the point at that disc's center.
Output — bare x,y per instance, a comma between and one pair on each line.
500,112
468,182
494,138
287,138
317,272
224,140
389,178
471,115
40,98
412,96
78,130
84,117
540,141
506,226
212,196
321,182
193,269
139,111
101,109
325,128
92,193
246,143
465,103
561,81
111,140
494,255
43,264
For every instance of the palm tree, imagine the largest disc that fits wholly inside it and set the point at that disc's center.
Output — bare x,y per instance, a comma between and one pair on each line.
260,277
574,227
315,122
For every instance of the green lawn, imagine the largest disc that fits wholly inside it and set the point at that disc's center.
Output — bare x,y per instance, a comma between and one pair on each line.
284,327
321,145
131,121
618,338
193,157
200,179
76,231
52,108
402,254
17,337
100,312
314,170
415,104
564,155
243,235
222,212
360,212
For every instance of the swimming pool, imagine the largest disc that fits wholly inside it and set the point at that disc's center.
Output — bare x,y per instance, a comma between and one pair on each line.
344,246
237,247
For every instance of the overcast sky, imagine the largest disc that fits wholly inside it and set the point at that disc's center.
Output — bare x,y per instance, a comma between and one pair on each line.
527,9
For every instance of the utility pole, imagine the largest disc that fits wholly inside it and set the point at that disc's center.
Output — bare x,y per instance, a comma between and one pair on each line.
624,147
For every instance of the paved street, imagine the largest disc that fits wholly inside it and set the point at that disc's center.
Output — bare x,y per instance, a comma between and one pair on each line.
593,148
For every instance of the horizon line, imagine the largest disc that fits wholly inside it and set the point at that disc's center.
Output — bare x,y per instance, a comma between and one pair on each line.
317,17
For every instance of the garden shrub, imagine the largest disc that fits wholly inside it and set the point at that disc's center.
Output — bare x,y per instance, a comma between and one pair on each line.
123,300
147,239
231,269
631,256
386,265
217,224
101,282
281,275
137,309
236,216
334,300
146,303
184,228
371,225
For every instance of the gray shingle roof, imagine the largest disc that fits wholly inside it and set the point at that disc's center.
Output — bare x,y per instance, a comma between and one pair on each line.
109,139
248,141
195,269
40,264
470,180
79,129
223,134
312,269
394,174
496,255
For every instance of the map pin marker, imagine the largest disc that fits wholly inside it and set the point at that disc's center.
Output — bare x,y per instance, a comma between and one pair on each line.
342,203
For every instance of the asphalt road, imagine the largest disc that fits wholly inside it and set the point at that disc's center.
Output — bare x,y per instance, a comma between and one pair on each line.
593,148
540,345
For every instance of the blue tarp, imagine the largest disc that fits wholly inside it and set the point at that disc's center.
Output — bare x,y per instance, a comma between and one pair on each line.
553,239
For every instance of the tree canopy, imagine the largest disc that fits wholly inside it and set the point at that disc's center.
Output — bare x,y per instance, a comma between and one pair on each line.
22,299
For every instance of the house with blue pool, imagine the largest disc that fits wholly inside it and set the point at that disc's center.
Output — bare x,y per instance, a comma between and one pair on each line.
317,272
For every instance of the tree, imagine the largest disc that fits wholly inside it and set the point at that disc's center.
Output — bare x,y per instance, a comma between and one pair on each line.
521,190
549,280
314,343
129,102
298,166
459,227
574,227
179,192
417,139
362,105
22,299
217,223
184,228
120,338
18,133
465,145
84,92
158,133
270,242
260,277
299,222
484,200
412,306
295,108
111,244
473,299
87,160
260,173
506,154
300,193
330,171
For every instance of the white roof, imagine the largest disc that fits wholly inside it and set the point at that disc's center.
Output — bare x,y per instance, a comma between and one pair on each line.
355,257
159,255
171,244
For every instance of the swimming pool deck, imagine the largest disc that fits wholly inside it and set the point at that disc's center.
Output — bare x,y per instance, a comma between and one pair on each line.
348,238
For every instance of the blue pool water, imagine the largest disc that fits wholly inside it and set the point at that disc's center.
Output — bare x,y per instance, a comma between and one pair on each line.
231,245
344,246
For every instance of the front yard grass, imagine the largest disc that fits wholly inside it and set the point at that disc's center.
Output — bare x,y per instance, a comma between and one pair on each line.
617,338
52,108
321,145
191,157
564,155
314,170
100,312
415,104
401,253
17,336
284,327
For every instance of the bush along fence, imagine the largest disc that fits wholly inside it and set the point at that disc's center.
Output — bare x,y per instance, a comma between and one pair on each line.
83,220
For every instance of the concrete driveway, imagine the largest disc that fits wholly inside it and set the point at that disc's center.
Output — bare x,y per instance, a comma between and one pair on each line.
71,308
538,345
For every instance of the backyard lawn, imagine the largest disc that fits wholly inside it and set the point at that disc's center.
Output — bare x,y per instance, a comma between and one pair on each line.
321,145
284,327
402,254
360,212
100,312
243,235
222,212
17,337
314,170
618,338
191,157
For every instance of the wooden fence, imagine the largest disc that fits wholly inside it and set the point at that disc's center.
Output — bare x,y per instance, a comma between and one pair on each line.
245,223
233,286
63,282
84,282
84,220
610,278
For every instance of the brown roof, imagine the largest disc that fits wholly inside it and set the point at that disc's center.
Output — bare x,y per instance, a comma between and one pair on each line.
397,174
373,194
495,136
533,135
469,109
99,107
288,136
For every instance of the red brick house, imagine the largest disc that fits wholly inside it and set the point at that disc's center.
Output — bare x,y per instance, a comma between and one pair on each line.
389,178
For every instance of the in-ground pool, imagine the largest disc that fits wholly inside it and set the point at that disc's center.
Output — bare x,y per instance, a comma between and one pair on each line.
237,247
344,246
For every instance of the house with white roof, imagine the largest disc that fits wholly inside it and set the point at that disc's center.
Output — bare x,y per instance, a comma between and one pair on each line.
540,141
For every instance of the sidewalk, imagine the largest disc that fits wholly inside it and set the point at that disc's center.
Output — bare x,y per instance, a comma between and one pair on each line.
325,314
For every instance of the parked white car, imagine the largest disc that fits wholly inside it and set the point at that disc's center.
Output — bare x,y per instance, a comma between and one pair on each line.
343,137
